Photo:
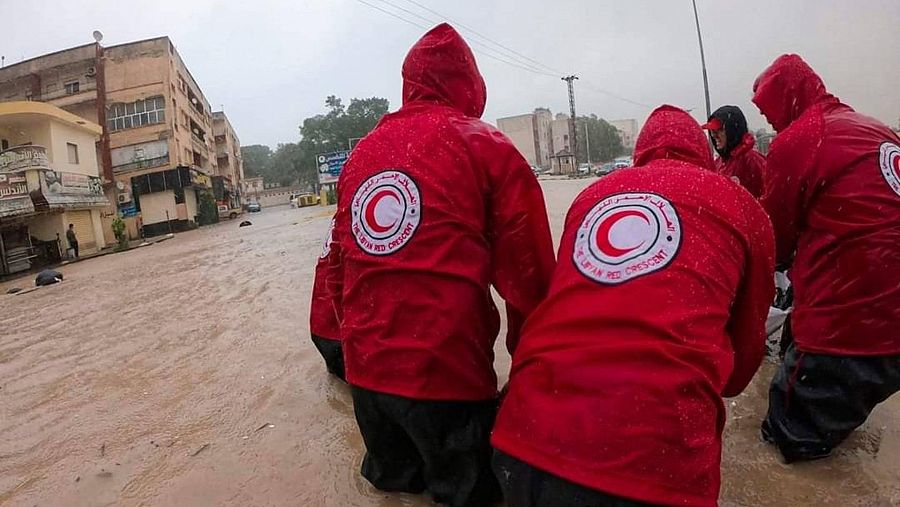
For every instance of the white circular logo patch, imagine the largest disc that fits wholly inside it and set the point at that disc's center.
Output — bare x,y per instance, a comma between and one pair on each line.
626,236
889,159
329,237
386,211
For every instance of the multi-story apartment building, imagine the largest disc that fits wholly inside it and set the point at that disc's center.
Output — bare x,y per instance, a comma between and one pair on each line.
531,133
156,151
230,166
628,132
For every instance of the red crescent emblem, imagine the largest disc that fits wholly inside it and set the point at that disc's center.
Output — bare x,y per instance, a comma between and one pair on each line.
897,165
603,242
371,221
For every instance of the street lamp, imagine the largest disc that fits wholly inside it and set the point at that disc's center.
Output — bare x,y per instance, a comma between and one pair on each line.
702,60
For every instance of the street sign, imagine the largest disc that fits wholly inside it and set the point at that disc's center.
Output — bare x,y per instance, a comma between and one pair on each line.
330,166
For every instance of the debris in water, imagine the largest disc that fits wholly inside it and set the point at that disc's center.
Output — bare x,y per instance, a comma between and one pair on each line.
104,474
245,223
201,449
13,290
48,277
77,478
103,450
266,425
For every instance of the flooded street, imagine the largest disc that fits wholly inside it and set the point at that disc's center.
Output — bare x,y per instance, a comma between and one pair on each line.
182,374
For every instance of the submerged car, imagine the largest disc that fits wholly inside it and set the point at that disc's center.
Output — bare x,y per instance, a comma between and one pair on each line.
254,207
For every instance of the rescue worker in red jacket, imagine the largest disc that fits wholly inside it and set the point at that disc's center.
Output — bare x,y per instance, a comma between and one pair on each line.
323,323
733,142
656,311
833,194
434,207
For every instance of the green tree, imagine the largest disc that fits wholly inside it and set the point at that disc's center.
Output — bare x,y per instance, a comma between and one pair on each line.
604,139
332,131
257,158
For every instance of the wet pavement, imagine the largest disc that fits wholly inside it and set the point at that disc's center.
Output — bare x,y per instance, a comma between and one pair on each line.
182,374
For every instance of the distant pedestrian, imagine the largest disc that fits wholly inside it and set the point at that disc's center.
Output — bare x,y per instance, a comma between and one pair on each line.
656,311
72,239
434,207
323,324
833,193
735,145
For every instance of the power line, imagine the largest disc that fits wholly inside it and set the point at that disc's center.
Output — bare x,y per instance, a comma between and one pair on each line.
517,61
616,95
501,58
485,37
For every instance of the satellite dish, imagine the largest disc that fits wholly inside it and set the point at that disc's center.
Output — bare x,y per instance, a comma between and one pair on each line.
98,36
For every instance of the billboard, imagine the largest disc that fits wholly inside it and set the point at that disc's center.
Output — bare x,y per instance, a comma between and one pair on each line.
330,166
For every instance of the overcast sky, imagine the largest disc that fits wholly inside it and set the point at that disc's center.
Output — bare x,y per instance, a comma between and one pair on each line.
271,63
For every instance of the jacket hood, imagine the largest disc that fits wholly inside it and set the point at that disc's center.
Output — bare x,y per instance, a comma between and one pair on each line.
440,68
787,89
671,133
732,119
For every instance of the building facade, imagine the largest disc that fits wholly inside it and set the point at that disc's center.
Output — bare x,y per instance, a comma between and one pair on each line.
628,131
532,134
157,150
252,188
229,164
49,178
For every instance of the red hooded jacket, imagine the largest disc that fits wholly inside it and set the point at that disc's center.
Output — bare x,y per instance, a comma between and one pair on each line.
435,206
745,164
833,194
323,321
656,310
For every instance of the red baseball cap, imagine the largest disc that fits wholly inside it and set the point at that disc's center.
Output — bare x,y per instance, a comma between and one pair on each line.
713,124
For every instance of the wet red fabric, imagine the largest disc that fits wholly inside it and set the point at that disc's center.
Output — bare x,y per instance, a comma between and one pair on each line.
323,320
829,193
618,386
417,317
747,165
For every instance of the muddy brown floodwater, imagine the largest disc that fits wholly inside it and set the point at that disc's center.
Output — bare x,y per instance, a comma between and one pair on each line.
182,374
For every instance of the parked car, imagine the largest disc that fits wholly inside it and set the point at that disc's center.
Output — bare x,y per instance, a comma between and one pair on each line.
585,169
229,213
254,207
623,162
606,168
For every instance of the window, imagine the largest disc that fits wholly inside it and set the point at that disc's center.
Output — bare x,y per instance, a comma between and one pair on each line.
73,153
4,144
72,88
136,114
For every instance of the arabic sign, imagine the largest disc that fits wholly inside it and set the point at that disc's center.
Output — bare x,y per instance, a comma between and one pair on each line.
14,197
70,190
330,166
200,179
24,157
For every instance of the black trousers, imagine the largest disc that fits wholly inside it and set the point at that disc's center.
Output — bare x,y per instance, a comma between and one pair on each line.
74,246
333,354
526,486
420,445
816,400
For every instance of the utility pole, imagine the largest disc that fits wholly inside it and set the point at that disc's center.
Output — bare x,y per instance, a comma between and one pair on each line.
702,60
573,131
587,141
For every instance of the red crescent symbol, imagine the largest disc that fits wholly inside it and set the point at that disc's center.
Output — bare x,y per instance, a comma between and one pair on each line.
896,160
603,242
370,212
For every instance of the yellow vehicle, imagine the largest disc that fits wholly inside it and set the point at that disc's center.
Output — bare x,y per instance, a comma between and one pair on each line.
303,200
